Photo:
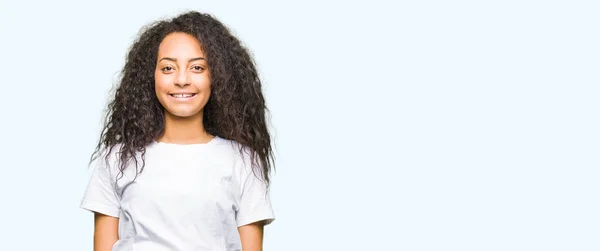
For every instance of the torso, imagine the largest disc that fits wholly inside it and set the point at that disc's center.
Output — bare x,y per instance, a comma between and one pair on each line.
184,199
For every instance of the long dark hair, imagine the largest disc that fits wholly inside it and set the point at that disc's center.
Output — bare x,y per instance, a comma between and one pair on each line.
235,110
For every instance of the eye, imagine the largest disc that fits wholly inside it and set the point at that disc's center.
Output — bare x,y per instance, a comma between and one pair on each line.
167,69
197,68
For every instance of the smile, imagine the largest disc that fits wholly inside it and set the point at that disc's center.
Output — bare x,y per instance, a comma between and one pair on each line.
182,95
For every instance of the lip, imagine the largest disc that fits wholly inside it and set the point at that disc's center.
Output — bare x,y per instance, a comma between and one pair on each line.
182,93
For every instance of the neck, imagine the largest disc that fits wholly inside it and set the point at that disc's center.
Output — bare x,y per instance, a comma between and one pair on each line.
188,130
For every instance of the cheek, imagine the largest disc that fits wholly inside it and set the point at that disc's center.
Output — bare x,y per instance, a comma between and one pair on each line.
205,87
160,83
202,83
161,88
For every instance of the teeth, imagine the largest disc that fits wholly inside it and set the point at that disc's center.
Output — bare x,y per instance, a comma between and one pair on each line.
182,95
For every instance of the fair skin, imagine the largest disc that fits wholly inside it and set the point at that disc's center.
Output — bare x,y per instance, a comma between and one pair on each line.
182,84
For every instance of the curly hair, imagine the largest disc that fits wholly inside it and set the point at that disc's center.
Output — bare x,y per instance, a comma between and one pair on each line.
235,109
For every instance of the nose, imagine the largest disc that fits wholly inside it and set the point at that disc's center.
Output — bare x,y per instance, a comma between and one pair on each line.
182,79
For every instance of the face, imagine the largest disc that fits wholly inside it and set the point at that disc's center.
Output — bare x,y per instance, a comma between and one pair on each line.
182,79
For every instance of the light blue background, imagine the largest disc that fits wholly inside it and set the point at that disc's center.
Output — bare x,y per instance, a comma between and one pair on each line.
419,125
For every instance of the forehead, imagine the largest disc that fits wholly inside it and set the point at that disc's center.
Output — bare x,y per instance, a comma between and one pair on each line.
181,44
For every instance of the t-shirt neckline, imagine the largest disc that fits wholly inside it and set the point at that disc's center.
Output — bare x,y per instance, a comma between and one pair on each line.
211,142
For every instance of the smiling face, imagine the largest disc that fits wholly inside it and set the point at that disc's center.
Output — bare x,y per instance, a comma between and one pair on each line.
182,79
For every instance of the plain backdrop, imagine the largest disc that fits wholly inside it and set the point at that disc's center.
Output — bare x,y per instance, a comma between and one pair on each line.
399,125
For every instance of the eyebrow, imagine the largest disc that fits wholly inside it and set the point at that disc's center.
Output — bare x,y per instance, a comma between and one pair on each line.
175,60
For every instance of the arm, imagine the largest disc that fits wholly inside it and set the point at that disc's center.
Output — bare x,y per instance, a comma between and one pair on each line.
251,236
105,232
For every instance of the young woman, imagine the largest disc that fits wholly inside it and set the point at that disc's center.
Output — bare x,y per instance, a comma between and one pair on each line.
185,156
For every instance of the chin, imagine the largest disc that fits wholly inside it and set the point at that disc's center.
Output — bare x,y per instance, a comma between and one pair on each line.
184,114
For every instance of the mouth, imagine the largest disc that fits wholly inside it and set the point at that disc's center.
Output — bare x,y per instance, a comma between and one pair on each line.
182,95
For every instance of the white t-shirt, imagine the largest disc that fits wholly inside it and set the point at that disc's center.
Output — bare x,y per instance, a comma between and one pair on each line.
188,197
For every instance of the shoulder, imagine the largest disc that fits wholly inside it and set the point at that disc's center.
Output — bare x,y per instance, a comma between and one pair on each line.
235,152
108,158
231,148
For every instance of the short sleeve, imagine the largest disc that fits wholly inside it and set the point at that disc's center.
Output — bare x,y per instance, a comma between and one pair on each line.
254,201
100,195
